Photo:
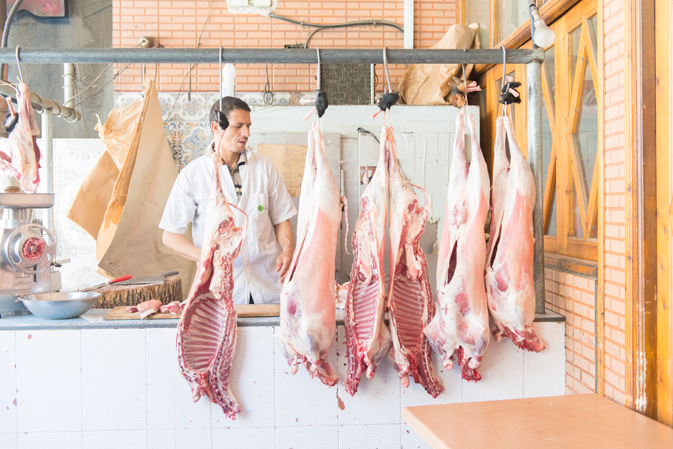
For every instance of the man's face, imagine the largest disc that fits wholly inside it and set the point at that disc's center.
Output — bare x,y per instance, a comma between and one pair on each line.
235,138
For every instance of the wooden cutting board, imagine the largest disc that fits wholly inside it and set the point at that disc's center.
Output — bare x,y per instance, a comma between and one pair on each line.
243,311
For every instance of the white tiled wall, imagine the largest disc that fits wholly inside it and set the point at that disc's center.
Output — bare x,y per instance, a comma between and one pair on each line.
121,389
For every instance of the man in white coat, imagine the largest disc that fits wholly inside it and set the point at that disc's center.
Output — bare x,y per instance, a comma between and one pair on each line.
251,182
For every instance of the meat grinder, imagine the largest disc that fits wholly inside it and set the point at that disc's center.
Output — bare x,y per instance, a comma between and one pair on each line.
27,250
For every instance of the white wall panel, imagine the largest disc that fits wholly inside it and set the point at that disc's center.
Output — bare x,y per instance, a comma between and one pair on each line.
115,439
384,436
244,437
179,439
8,382
114,380
169,398
48,379
251,379
51,440
311,437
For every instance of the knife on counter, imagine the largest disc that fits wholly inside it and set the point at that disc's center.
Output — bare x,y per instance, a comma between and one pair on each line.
143,280
110,282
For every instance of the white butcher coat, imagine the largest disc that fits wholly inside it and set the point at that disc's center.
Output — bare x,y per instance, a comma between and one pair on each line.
265,200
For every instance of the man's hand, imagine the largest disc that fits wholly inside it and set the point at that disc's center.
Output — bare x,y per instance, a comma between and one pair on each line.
285,237
283,264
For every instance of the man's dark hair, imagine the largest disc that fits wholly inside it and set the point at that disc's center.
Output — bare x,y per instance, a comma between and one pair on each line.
228,105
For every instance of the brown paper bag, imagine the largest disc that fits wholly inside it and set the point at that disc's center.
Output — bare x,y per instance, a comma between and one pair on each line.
428,84
138,157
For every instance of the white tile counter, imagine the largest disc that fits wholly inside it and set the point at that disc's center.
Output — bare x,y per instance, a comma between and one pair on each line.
89,383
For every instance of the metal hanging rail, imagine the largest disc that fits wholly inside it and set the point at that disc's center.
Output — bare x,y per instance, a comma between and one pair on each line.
266,55
532,58
41,104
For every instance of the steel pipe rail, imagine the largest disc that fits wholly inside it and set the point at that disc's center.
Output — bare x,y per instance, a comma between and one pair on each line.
266,56
40,104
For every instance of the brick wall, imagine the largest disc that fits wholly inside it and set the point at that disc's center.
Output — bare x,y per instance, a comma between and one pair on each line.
615,201
180,23
575,298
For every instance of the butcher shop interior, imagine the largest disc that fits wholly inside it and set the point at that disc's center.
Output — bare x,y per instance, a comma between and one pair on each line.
293,224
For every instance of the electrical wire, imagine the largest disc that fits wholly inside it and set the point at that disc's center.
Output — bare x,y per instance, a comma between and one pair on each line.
321,27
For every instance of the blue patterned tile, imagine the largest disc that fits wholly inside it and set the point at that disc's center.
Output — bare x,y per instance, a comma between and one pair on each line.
193,110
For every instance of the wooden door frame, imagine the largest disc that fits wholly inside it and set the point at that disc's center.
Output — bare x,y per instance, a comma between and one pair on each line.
664,149
641,200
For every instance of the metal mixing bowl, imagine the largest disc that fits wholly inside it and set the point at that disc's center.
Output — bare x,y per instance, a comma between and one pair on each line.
60,305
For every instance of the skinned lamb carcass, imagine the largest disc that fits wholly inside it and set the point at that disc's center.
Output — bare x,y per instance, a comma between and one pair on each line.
23,160
307,299
206,338
367,336
509,274
410,303
460,326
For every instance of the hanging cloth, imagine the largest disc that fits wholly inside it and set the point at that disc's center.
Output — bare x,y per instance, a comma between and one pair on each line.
121,201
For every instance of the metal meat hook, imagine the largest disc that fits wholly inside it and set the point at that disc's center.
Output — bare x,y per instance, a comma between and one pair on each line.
385,66
318,77
18,63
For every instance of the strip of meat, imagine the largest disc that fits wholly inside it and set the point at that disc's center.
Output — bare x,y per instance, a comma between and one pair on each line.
148,308
410,302
206,337
307,300
460,327
509,274
367,336
23,161
171,307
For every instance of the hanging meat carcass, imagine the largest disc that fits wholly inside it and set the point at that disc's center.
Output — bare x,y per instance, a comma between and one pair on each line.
509,274
206,337
23,160
410,303
460,327
367,336
307,299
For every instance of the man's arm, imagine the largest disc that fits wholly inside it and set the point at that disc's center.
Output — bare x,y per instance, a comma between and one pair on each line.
285,236
182,246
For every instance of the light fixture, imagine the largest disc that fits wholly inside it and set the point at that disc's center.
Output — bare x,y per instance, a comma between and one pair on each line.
543,36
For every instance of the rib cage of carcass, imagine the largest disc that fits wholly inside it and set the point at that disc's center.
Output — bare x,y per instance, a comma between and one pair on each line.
460,327
509,274
410,303
206,338
367,335
307,299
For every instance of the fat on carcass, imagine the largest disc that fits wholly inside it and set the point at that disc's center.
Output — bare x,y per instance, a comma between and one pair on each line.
367,336
307,299
410,303
460,327
509,273
23,160
206,337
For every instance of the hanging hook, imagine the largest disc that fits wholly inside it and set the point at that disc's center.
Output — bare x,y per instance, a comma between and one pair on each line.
220,76
221,118
385,66
504,65
18,64
318,51
464,79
